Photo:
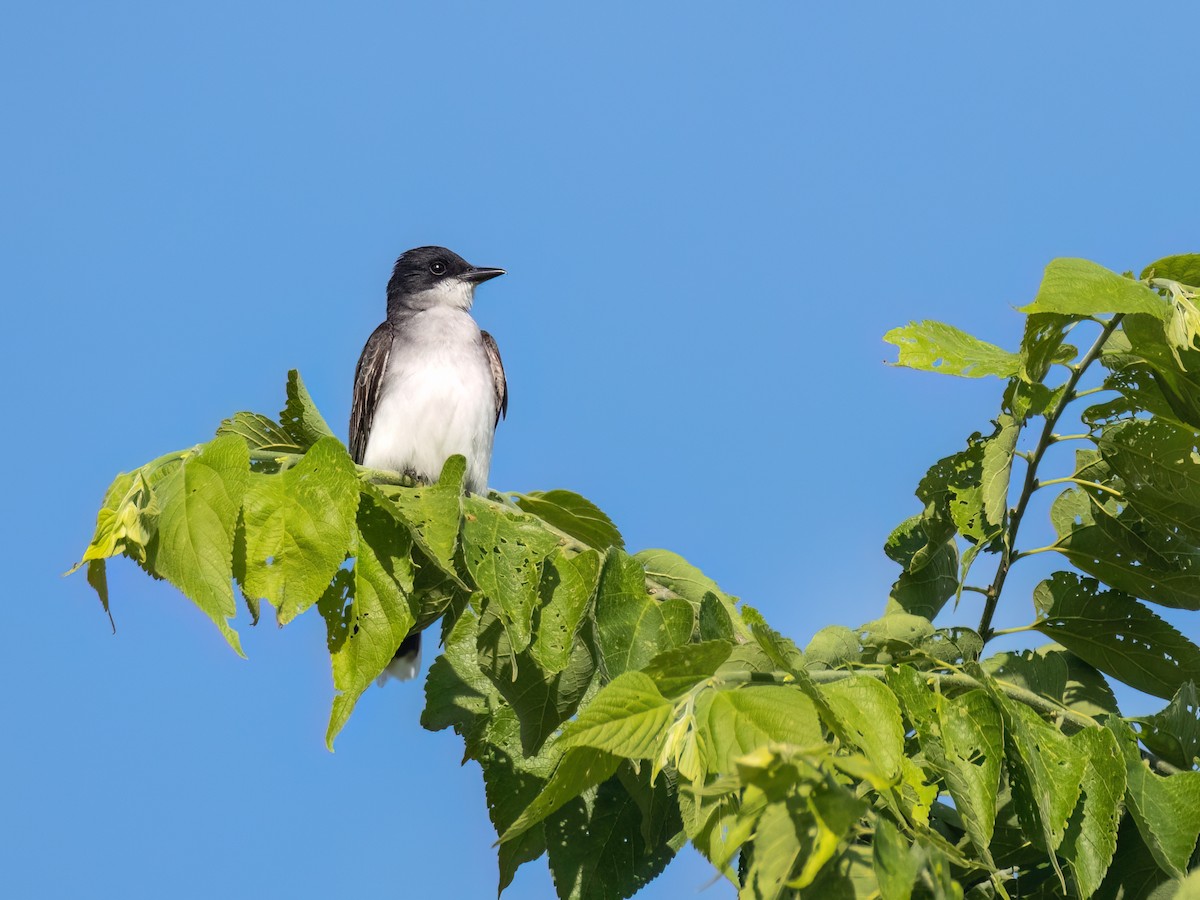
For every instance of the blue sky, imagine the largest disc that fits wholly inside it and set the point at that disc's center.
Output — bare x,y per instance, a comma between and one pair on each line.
709,213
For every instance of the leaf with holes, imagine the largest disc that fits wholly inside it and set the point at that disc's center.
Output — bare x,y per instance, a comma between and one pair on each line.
580,769
504,553
1117,547
941,348
1174,732
365,634
432,513
1116,634
1045,770
299,417
567,587
1091,837
1166,809
542,701
1159,465
963,741
299,528
596,847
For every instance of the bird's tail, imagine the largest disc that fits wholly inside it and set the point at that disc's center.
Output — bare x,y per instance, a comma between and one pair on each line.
406,663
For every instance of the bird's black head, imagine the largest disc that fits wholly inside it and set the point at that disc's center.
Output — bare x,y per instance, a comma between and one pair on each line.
425,277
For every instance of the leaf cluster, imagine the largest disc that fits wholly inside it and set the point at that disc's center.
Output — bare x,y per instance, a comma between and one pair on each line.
622,705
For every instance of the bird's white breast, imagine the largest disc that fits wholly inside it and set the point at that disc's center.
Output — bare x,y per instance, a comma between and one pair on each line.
437,399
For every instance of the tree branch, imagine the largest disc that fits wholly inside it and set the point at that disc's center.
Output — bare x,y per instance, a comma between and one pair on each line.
1044,442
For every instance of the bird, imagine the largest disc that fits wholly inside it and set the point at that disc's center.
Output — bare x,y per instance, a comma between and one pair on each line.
429,384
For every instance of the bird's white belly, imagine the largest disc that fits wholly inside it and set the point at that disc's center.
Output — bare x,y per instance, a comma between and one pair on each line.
437,399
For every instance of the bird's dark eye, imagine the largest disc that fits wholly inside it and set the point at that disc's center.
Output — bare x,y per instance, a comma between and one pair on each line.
438,267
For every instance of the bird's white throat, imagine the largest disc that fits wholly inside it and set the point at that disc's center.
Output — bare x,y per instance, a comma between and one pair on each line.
452,293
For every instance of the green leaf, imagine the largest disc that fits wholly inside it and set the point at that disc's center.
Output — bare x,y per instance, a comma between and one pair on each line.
716,624
962,739
923,592
1077,287
1091,837
457,693
732,723
1167,810
1174,733
197,510
1045,770
1175,370
1140,390
870,718
260,433
1056,674
1116,634
678,575
365,634
299,528
574,515
1115,546
658,802
779,844
634,628
512,781
1189,888
504,553
897,862
1134,873
895,635
125,523
579,769
565,591
97,577
1042,345
782,652
997,468
299,417
677,671
1183,267
432,513
543,701
596,847
1158,463
937,347
627,718
709,814
832,647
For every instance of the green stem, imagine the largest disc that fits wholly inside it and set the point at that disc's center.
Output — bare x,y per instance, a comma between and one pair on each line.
1079,481
996,632
1044,442
1056,438
1021,554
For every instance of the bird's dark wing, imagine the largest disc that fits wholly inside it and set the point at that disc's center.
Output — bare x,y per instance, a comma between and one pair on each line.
368,380
493,355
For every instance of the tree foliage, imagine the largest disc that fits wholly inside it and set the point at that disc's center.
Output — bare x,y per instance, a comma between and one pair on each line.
621,705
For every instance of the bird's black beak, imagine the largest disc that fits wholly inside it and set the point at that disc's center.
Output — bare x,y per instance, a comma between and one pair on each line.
477,275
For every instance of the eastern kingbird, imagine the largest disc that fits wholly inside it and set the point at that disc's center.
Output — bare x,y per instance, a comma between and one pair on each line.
429,384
